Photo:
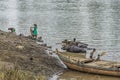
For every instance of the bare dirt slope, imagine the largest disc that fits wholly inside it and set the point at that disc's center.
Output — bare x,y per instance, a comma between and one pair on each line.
23,53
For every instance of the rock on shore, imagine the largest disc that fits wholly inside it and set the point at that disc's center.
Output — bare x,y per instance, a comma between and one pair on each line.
25,54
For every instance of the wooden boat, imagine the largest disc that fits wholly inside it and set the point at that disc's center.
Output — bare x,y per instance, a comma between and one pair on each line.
80,63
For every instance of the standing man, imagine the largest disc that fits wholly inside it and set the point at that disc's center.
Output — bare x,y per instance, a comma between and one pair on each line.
91,54
34,32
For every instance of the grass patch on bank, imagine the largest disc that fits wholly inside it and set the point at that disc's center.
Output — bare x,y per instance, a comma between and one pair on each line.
12,74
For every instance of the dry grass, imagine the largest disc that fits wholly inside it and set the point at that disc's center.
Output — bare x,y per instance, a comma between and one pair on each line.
12,74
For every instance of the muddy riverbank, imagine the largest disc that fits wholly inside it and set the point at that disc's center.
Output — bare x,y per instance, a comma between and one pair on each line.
21,52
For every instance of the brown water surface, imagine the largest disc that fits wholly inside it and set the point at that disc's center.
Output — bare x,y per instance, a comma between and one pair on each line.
75,75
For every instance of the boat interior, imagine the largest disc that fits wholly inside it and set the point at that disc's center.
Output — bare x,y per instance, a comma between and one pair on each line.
80,58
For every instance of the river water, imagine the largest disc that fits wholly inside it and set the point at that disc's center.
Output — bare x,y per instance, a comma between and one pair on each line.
95,22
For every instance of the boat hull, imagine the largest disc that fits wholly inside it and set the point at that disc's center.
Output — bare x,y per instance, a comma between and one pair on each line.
80,63
92,70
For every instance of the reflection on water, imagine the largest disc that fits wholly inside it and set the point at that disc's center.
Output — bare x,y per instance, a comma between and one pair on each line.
95,22
74,75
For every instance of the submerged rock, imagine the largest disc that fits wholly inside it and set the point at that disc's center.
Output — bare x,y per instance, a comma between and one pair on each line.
75,49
